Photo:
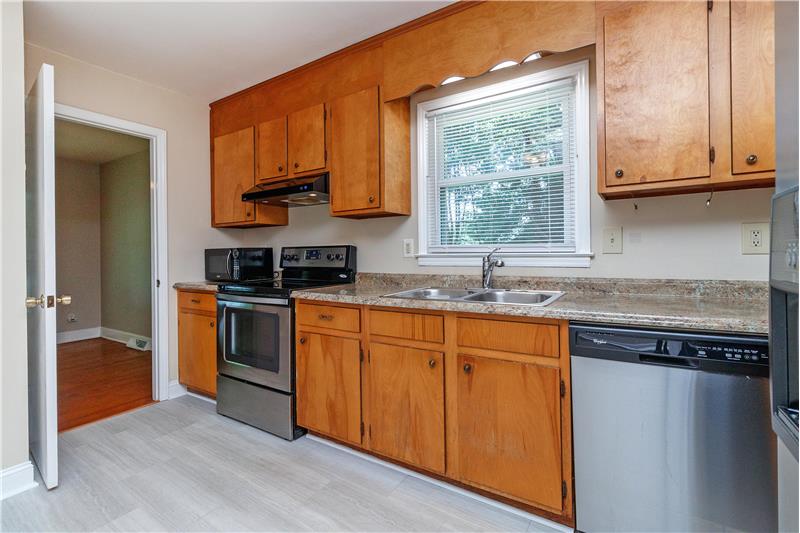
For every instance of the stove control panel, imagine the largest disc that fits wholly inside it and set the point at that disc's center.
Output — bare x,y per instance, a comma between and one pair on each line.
320,256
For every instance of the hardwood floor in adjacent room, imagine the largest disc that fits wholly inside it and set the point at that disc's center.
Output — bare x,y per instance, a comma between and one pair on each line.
98,378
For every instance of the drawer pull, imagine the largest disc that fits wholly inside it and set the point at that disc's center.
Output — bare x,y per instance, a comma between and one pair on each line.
195,301
432,363
322,316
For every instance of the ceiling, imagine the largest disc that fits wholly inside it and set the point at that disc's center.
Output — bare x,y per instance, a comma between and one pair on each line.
210,49
94,145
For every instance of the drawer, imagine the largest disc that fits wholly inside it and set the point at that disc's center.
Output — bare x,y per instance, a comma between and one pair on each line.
198,301
329,316
508,336
412,326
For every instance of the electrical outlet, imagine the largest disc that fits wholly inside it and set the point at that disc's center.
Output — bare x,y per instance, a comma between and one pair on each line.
755,238
612,240
408,247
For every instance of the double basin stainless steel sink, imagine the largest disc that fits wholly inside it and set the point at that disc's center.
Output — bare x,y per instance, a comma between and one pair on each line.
488,296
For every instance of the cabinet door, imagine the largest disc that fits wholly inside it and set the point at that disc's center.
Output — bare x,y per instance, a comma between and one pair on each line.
307,139
655,84
509,428
406,402
329,385
355,151
752,86
197,352
234,173
272,149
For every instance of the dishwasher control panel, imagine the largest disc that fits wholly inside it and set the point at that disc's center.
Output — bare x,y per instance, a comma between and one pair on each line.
715,352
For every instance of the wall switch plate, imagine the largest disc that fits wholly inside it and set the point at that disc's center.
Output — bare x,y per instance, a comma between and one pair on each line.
408,247
755,238
612,240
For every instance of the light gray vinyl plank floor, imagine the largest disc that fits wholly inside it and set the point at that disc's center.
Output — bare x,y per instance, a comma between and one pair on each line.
178,466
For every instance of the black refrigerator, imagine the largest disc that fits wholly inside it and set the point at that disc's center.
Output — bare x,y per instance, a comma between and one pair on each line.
783,264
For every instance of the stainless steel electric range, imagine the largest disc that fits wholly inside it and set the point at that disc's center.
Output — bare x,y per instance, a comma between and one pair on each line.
255,348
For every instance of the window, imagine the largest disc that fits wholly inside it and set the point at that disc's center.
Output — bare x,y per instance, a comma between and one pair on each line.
507,166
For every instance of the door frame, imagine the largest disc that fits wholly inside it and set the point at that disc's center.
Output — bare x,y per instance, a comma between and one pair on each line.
158,230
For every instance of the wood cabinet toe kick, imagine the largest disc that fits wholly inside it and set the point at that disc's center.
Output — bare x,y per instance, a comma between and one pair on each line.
480,401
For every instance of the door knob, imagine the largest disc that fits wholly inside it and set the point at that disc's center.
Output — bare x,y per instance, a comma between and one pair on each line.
64,299
32,301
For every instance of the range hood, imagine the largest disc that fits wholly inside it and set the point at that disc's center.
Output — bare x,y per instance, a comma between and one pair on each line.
294,192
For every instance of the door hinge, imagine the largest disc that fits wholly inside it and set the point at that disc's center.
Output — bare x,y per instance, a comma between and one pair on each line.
362,429
563,490
563,388
712,154
369,430
158,283
361,354
710,4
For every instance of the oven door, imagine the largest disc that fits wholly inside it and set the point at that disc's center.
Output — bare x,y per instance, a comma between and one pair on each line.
254,340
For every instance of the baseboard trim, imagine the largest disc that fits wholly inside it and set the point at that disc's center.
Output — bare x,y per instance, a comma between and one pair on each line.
458,490
120,336
77,335
176,390
16,479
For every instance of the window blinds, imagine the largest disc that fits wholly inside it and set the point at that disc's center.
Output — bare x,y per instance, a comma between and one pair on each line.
500,171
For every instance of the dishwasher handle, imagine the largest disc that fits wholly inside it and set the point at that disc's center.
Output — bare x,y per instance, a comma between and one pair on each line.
668,360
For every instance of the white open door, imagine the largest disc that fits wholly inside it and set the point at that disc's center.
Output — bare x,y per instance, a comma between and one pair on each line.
41,270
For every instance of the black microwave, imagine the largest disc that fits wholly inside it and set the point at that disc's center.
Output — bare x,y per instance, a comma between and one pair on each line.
238,264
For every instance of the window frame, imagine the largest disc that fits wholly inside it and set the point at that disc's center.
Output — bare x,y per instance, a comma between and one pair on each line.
513,255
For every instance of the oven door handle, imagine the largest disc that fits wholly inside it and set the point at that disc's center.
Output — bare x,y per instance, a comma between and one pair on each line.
251,300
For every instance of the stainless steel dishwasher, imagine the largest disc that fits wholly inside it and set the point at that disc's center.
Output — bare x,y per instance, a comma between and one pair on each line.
671,431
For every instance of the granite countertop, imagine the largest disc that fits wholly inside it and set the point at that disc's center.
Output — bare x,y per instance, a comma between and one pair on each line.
208,286
722,306
679,311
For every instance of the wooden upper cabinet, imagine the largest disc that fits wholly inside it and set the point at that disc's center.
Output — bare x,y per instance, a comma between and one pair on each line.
307,139
234,173
272,149
655,92
406,395
509,429
355,151
752,86
329,385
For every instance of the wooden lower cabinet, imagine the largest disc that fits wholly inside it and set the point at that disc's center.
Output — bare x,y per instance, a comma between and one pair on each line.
197,342
406,396
446,394
509,428
329,385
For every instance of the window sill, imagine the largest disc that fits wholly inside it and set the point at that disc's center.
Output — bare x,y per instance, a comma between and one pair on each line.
528,260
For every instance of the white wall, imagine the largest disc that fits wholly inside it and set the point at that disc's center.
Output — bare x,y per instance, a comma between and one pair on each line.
13,329
668,237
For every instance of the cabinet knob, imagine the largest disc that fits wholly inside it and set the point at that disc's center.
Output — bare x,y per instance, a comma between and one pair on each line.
302,340
371,199
752,159
247,213
432,363
211,323
467,368
619,173
296,164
